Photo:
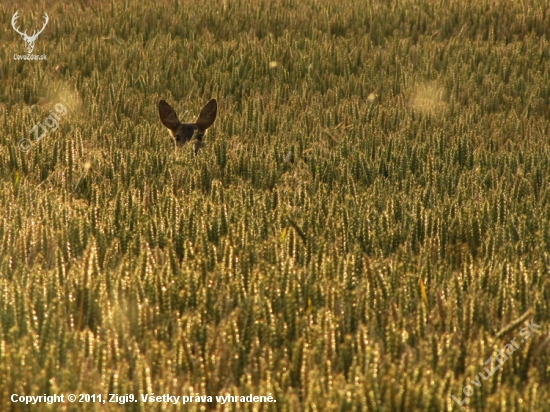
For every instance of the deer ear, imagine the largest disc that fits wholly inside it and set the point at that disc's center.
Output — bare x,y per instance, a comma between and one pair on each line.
207,115
168,116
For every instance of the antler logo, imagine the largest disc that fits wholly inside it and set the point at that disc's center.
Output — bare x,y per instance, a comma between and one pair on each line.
29,40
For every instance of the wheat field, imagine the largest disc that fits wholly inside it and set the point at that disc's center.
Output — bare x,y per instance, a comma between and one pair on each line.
366,229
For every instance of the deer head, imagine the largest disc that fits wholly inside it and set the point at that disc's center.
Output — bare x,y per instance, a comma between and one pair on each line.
29,40
188,132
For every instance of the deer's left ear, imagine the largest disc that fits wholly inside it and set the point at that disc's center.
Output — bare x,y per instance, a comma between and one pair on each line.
168,116
207,115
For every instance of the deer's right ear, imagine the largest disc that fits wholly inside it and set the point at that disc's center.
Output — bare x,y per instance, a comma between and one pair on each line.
207,115
168,116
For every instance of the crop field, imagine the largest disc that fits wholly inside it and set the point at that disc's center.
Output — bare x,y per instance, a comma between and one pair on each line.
367,227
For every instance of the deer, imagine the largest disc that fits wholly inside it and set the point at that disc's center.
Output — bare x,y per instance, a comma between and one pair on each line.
29,40
184,133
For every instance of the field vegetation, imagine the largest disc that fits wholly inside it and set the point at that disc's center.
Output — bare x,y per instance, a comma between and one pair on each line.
368,223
